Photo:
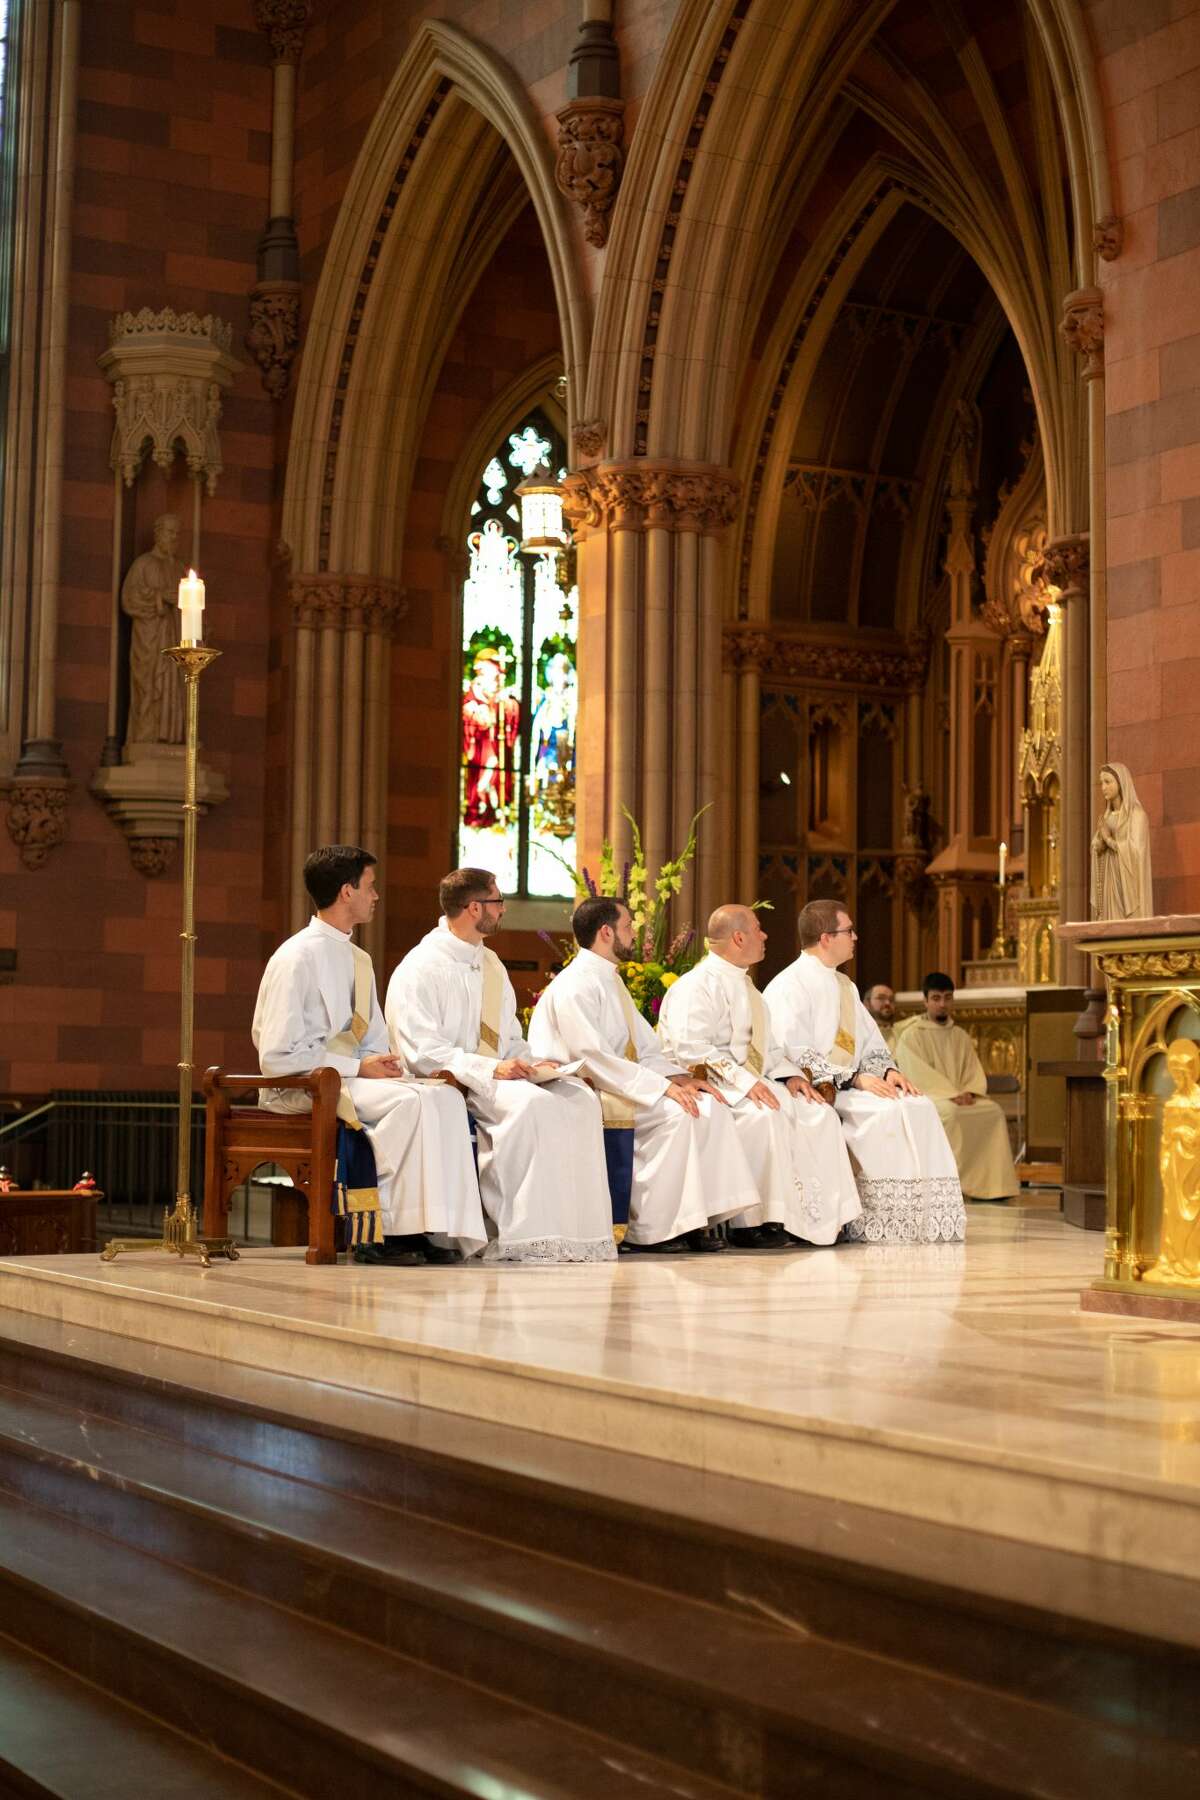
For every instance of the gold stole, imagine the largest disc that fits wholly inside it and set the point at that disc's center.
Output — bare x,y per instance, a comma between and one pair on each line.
619,1113
756,1055
345,1043
491,1005
844,1044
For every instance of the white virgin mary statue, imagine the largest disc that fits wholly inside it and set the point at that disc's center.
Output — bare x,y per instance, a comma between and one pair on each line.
1121,883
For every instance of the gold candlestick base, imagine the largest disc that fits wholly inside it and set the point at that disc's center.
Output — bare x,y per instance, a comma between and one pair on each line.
179,1237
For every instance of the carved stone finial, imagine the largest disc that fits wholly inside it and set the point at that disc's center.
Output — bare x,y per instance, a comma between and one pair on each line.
1083,329
589,438
151,856
1065,565
274,335
590,159
37,818
285,22
1108,237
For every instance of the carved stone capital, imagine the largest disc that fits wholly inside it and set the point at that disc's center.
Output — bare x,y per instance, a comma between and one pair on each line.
780,656
590,159
1083,329
347,602
168,371
285,22
669,496
37,817
1066,565
589,438
274,335
1108,237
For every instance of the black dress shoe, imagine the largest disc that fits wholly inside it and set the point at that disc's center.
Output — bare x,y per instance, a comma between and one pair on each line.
676,1246
707,1238
436,1253
751,1237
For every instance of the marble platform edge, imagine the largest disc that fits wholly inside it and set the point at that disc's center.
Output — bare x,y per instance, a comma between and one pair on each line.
1171,1305
1150,1526
1011,1573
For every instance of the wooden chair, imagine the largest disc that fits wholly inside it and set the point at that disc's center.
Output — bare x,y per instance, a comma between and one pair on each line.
239,1138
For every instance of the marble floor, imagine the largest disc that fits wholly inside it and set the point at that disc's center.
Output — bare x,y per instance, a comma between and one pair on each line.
959,1384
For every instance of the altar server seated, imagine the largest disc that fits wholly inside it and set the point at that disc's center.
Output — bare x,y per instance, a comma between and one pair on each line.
714,1020
689,1170
907,1180
880,1002
940,1058
318,1008
451,1009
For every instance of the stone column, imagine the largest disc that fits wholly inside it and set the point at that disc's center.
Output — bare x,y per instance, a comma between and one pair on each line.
1083,329
342,629
649,538
274,335
1065,568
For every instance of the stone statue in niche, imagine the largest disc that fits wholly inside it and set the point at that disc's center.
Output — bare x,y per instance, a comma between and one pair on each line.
1179,1170
1121,882
149,595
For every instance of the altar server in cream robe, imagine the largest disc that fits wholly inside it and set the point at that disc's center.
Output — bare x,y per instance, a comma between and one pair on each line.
713,1019
907,1180
318,1008
689,1170
940,1058
451,1008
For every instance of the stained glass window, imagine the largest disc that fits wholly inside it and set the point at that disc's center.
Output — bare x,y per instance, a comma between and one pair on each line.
519,696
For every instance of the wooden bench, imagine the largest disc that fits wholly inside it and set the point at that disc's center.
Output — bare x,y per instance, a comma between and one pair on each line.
240,1138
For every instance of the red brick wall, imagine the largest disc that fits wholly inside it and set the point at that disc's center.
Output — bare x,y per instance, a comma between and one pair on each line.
1149,54
170,194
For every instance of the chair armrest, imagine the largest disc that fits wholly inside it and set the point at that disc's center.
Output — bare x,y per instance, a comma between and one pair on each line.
316,1082
1003,1084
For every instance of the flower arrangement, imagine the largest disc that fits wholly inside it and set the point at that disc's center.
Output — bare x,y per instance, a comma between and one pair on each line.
660,960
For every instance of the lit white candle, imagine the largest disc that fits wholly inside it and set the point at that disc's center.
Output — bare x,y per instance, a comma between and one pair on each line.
191,605
1003,861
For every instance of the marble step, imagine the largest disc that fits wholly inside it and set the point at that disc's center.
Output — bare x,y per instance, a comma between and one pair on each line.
1097,1670
300,1703
64,1739
745,1699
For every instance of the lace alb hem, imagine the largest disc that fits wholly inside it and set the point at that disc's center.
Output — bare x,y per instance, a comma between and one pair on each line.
876,1062
552,1250
927,1211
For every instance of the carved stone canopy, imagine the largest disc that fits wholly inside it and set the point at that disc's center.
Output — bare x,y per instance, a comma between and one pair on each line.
168,372
634,496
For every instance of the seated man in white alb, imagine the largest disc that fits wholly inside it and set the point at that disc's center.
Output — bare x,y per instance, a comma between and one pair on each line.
688,1167
451,1010
317,1008
907,1180
714,1021
938,1055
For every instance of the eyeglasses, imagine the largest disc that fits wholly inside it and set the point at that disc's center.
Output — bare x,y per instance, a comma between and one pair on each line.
492,900
844,931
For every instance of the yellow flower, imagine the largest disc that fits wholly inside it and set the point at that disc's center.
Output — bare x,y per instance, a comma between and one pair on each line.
669,980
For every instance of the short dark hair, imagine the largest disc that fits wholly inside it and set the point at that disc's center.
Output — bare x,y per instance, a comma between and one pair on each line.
328,869
870,986
593,914
937,983
818,917
457,889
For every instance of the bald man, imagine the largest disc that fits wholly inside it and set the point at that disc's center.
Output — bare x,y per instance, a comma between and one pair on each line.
714,1019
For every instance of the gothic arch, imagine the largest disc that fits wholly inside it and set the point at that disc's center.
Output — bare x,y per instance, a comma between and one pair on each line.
451,113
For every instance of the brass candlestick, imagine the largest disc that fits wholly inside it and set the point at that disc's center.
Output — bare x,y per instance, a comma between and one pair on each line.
1002,946
179,1226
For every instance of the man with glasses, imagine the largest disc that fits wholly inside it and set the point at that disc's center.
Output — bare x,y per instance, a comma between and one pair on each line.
451,1012
906,1175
